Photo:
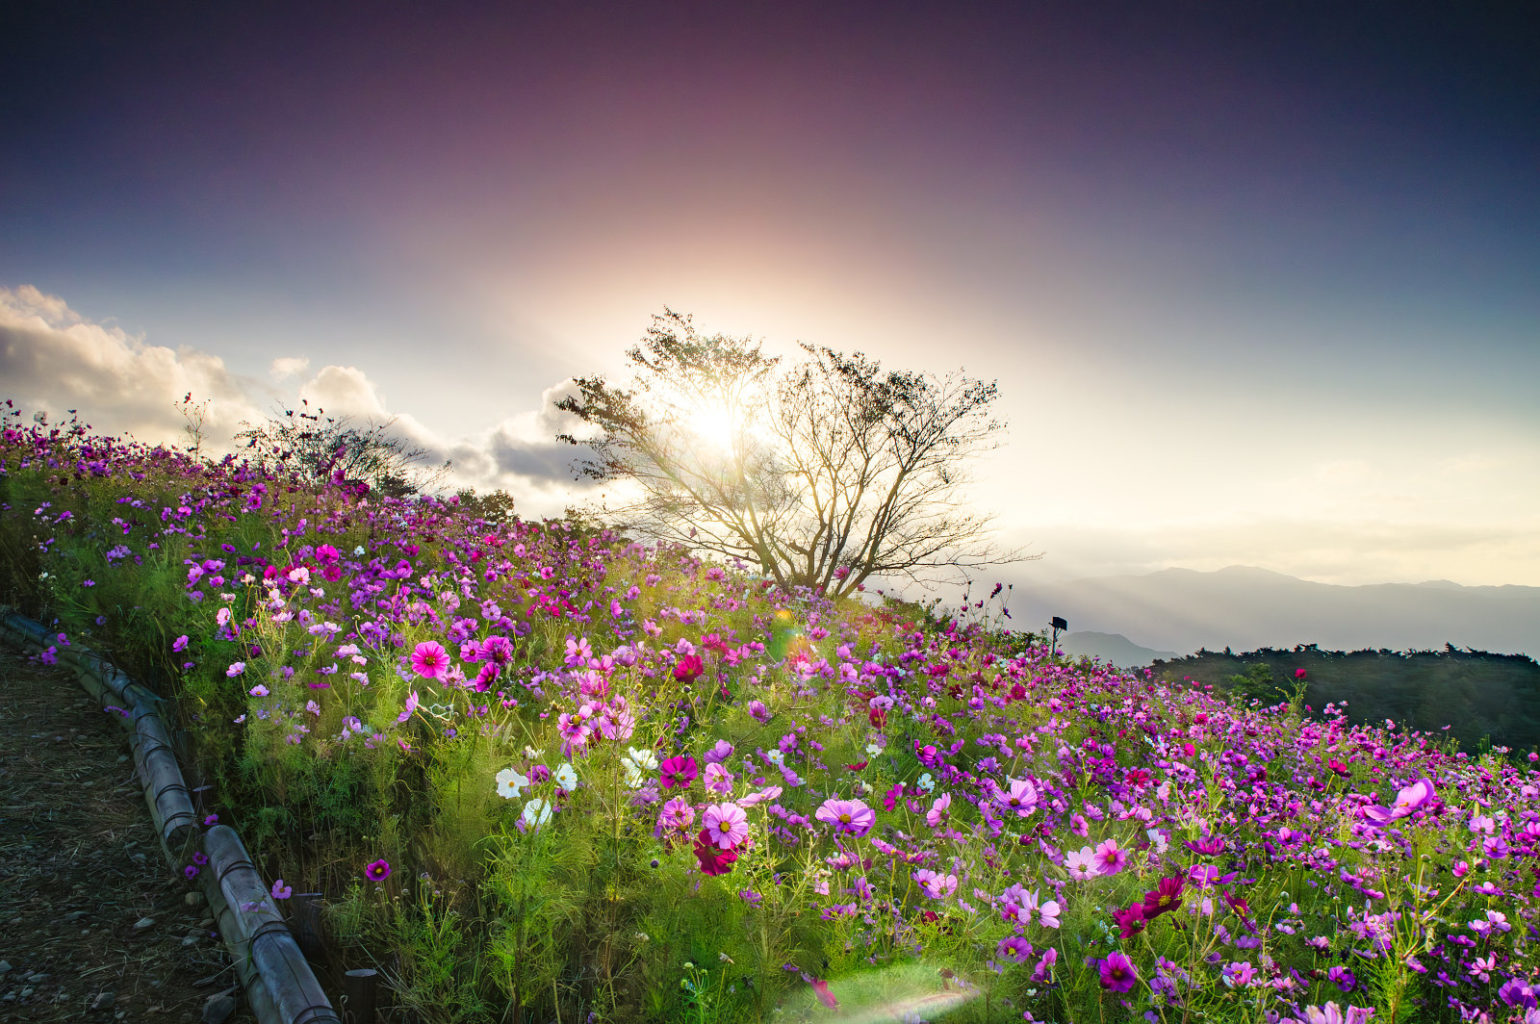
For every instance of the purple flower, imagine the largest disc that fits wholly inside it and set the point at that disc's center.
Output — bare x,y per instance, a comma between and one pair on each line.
180,644
235,669
377,871
411,705
1117,972
281,891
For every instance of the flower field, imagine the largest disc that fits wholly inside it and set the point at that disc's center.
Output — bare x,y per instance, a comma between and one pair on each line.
537,772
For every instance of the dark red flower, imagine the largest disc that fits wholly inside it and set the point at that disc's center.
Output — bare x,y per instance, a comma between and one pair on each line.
1165,897
713,859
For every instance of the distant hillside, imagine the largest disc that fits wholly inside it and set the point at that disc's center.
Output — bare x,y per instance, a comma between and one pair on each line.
1113,648
1477,694
1246,608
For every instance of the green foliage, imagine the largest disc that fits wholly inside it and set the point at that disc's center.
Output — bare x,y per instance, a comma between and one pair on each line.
1481,697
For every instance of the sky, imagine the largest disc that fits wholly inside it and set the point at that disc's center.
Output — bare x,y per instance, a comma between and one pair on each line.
1260,283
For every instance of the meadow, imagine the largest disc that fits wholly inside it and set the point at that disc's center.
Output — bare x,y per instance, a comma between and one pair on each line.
538,772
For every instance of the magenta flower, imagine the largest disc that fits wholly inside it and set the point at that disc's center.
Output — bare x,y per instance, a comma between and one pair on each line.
377,871
430,660
850,816
281,891
1117,973
678,772
180,644
235,669
689,668
1110,858
726,824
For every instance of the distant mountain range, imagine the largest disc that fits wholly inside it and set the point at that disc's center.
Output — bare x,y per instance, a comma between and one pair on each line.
1246,608
1113,648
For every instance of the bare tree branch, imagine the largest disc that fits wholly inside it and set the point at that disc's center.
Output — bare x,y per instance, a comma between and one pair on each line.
823,475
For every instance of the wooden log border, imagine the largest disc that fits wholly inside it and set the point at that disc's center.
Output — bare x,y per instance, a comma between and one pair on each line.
279,984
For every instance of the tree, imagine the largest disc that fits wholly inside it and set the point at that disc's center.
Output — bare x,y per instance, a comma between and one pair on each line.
823,475
322,448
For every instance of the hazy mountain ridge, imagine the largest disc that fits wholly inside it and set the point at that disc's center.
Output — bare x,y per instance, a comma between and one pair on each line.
1246,608
1113,648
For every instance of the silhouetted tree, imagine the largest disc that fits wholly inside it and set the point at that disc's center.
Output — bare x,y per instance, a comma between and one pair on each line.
822,475
325,448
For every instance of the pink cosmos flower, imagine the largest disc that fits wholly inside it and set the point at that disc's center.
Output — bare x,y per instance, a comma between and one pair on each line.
1110,858
938,810
726,824
281,891
1081,864
430,660
935,885
718,779
377,871
1417,795
180,644
1022,797
677,813
850,816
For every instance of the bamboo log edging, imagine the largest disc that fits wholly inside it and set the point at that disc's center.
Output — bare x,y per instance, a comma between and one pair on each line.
279,984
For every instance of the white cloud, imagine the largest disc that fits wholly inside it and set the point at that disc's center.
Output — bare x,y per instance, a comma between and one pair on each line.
285,367
52,359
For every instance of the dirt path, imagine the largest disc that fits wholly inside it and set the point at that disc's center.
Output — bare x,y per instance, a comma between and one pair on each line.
94,926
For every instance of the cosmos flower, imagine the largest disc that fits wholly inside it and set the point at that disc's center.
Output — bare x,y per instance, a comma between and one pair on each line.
536,813
849,816
726,824
1117,973
1110,858
510,784
713,859
377,871
678,772
430,660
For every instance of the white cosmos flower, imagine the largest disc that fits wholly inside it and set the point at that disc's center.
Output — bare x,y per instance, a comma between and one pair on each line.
645,758
537,812
634,776
566,777
510,784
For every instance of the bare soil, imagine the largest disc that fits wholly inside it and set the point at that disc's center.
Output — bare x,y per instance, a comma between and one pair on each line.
94,924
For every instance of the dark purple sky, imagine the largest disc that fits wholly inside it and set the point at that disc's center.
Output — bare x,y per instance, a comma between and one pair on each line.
1279,260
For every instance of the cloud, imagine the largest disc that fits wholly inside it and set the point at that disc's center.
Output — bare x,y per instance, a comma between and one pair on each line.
285,367
345,391
53,359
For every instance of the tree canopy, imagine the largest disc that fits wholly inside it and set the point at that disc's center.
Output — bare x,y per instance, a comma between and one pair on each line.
823,474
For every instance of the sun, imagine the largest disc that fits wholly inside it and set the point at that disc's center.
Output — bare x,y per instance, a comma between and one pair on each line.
722,429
